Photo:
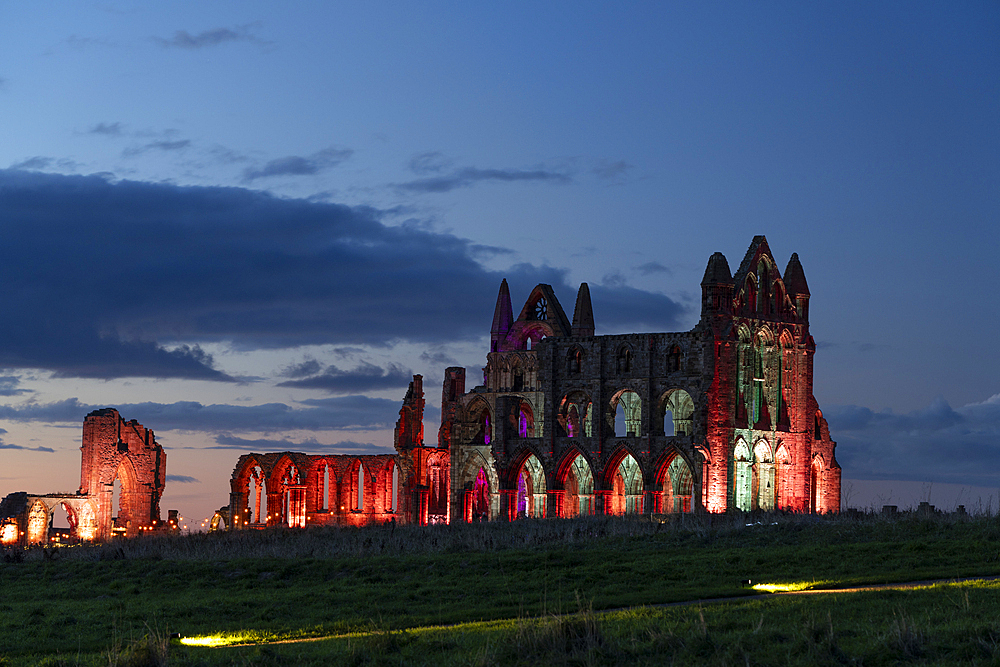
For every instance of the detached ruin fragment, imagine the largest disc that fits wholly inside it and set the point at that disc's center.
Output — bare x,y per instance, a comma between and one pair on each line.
566,423
112,450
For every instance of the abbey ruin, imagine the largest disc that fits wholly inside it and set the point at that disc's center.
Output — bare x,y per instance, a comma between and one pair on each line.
114,453
566,423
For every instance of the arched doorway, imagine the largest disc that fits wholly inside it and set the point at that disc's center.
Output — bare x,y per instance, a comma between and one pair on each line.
626,488
531,492
742,477
677,486
578,488
480,501
764,481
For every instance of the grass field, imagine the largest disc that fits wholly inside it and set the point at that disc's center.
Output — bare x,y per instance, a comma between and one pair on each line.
531,592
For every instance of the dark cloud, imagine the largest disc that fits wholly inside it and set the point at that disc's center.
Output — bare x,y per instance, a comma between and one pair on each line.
8,387
182,39
469,176
106,279
298,166
349,413
652,267
182,479
956,445
37,162
304,369
366,377
620,308
47,450
163,145
107,129
310,446
437,357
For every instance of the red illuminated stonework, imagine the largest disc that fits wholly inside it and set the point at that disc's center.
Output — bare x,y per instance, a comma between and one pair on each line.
118,457
298,490
719,418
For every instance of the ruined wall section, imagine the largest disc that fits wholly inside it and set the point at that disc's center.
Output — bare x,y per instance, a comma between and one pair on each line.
297,490
127,451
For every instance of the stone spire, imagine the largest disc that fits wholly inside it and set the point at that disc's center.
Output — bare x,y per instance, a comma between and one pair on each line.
583,314
795,277
717,272
503,317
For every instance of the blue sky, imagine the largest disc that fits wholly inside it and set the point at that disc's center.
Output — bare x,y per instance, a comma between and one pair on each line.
250,224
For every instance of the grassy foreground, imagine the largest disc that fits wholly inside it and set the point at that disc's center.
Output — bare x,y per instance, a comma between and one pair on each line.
116,603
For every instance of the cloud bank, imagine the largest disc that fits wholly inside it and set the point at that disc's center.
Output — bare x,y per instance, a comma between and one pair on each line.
116,279
341,413
935,444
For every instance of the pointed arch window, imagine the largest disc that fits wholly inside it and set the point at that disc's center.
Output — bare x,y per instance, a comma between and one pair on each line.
624,360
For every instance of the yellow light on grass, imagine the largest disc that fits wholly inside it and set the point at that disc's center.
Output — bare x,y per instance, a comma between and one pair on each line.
212,640
781,588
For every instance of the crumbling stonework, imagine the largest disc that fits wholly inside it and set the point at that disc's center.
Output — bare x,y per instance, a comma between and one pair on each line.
718,418
566,423
112,450
299,490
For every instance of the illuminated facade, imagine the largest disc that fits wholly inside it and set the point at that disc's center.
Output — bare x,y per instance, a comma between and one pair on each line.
122,477
566,423
297,490
719,418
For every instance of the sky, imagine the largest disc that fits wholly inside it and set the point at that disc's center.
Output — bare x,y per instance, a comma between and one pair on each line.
247,225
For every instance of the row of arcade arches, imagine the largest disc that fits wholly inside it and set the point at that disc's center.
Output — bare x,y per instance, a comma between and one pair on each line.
576,418
762,478
288,494
622,488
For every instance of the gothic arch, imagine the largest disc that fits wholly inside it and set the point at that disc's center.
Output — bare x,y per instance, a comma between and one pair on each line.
742,476
631,405
675,483
479,413
477,501
816,484
574,360
575,414
624,477
783,478
680,406
764,476
624,359
525,419
529,484
575,475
